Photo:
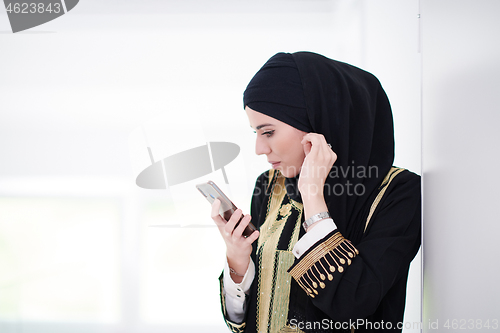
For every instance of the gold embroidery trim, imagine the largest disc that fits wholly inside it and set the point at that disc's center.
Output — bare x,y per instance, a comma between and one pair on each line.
289,329
328,257
385,184
270,178
334,253
271,224
281,292
270,232
273,293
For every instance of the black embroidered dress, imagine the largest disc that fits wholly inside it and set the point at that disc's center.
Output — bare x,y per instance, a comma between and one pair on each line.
354,277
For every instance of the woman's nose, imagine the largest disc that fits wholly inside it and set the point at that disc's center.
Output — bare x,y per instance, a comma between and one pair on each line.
261,147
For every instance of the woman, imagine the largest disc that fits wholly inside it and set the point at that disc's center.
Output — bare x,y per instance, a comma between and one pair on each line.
338,225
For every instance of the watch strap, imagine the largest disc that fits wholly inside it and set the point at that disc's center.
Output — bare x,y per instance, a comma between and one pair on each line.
315,218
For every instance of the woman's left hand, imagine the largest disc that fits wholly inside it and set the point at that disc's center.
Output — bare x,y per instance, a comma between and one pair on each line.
316,166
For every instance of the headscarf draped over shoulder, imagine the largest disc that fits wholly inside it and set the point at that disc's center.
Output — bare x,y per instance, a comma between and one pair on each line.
350,108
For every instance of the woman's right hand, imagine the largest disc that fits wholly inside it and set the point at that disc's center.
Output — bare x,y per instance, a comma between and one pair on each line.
238,247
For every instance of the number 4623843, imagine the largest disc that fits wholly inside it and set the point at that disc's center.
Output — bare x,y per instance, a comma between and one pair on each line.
32,8
464,324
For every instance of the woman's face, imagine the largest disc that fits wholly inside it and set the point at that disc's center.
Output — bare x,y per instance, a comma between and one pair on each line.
280,142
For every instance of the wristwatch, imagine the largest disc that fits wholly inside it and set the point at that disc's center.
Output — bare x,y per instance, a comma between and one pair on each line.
315,218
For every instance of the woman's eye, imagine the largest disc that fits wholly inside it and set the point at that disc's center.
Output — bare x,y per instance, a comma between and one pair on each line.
268,133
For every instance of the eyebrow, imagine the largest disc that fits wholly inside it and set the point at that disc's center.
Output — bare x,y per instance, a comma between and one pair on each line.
263,125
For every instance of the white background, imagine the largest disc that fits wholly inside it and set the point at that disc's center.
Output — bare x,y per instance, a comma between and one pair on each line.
82,248
461,114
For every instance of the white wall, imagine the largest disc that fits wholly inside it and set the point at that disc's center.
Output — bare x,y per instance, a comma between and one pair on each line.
83,247
461,113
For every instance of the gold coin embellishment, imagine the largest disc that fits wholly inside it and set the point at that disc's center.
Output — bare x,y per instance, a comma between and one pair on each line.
322,285
342,261
348,261
315,285
341,269
332,269
350,254
322,276
330,277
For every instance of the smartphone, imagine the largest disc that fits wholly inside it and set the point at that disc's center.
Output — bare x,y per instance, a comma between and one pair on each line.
227,208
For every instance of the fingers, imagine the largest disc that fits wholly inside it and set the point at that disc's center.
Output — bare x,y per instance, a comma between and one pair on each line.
228,229
241,227
316,146
230,225
307,147
315,140
214,214
253,237
236,232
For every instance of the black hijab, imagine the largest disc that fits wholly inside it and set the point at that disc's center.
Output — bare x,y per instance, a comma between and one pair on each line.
349,107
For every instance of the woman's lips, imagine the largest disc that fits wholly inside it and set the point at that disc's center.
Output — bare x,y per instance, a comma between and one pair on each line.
274,164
